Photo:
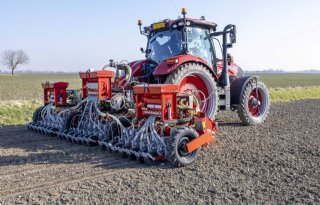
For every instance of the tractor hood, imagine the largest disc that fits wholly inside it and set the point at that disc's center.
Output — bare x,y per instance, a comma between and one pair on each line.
136,66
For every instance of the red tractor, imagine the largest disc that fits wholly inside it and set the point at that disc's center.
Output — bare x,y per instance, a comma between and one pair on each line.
160,108
182,52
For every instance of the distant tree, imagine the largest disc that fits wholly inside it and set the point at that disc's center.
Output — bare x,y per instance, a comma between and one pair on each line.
13,58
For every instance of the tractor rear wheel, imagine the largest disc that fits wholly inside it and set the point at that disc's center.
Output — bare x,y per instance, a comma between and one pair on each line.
195,78
177,153
254,103
239,74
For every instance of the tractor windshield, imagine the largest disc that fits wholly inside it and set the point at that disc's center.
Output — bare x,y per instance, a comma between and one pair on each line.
164,44
199,44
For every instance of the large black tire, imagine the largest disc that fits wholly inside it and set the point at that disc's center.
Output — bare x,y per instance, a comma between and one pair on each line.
202,72
254,110
37,114
176,151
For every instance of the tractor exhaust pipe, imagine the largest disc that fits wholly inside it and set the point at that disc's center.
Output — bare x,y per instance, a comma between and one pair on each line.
224,78
231,30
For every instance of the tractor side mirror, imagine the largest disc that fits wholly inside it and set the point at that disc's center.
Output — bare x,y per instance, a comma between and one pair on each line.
145,51
233,34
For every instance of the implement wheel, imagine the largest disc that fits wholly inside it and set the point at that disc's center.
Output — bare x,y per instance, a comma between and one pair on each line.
177,153
196,78
37,114
72,120
254,103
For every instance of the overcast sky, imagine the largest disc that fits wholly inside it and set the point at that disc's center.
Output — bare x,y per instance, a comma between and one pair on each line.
75,35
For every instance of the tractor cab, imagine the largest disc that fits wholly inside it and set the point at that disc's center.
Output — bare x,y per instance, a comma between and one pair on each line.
194,37
170,38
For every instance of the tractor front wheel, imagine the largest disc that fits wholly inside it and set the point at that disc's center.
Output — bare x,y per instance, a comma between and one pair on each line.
196,79
177,153
254,103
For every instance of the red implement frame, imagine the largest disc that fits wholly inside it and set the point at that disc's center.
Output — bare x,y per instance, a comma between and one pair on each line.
207,129
156,99
55,92
97,83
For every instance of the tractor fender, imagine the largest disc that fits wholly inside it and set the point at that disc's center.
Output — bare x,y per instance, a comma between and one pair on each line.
233,69
165,67
237,88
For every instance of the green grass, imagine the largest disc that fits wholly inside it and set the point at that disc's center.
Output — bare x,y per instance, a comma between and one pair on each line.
291,94
17,112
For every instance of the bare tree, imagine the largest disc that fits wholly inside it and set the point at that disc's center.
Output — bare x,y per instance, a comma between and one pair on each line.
13,58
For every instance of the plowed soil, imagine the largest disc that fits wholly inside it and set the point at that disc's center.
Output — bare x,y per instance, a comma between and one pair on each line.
275,163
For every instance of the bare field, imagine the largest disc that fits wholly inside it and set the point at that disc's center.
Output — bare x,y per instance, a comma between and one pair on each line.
285,80
276,163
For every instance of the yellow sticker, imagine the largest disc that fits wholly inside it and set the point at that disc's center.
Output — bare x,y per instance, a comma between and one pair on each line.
158,25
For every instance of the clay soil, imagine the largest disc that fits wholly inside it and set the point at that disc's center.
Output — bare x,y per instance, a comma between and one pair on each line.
276,163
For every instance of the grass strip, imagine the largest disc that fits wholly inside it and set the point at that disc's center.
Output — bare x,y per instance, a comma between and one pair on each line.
17,112
291,94
20,111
